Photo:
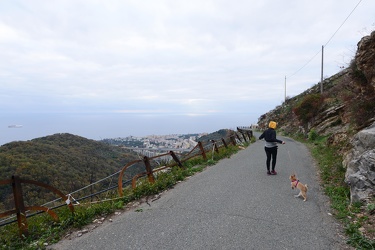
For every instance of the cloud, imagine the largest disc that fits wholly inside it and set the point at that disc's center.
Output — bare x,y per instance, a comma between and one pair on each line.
79,55
8,34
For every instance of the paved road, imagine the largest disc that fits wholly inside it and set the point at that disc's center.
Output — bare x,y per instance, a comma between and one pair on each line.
232,205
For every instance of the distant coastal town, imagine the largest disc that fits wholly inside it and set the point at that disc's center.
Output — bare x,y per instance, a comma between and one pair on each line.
156,144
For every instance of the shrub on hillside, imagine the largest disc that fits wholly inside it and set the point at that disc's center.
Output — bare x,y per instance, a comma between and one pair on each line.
313,135
363,107
359,97
308,107
356,73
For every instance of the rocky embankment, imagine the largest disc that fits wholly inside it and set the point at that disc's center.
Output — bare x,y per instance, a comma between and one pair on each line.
360,165
345,112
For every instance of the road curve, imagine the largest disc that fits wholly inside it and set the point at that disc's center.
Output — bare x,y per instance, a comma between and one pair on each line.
232,205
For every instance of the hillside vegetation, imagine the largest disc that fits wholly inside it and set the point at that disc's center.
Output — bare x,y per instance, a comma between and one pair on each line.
216,136
65,161
346,106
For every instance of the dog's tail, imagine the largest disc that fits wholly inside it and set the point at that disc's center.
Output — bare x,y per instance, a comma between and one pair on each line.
306,186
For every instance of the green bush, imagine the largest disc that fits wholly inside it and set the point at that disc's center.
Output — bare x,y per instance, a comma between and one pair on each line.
371,207
308,107
313,135
363,108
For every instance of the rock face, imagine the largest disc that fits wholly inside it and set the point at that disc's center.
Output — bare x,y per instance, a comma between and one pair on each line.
360,163
365,58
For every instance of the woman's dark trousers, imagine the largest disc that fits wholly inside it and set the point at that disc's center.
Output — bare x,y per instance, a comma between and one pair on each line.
271,152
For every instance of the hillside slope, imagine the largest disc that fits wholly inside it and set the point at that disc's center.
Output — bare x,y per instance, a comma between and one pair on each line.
65,161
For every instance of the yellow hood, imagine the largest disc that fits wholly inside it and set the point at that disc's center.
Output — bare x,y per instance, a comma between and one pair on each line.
272,124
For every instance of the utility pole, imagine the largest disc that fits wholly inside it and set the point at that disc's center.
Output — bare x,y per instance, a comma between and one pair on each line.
321,75
285,90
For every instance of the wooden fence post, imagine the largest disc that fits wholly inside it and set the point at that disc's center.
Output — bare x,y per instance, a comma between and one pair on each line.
238,137
233,140
202,150
20,206
250,135
244,136
175,158
148,169
215,146
225,144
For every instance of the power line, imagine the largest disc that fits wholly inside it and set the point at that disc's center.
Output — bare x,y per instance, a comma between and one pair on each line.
343,22
327,41
305,64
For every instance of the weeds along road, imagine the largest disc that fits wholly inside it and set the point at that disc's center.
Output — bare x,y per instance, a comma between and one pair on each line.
232,205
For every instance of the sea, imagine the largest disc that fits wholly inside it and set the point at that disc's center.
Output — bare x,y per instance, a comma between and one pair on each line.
24,127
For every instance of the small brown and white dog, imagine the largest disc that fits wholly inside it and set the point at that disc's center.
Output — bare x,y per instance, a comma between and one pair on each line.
296,184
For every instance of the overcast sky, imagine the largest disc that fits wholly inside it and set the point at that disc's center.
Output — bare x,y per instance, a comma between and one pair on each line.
190,58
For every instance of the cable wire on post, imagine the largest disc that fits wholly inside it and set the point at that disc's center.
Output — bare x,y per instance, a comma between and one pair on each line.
327,41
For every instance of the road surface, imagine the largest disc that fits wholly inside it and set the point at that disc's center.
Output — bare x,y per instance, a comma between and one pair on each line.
232,205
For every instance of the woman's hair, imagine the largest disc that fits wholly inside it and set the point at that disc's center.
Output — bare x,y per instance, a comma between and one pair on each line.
272,124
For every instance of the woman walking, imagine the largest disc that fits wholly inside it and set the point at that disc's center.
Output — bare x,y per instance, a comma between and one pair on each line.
269,136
